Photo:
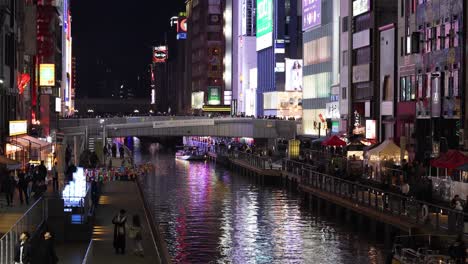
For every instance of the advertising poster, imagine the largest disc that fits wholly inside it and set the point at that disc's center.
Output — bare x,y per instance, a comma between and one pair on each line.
197,100
47,75
311,14
214,97
293,75
370,129
264,24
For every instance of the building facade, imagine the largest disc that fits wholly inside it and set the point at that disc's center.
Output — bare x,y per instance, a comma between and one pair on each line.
210,75
362,22
321,78
431,75
279,37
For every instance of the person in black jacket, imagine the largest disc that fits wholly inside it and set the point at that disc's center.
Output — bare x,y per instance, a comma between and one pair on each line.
47,253
8,187
23,249
23,187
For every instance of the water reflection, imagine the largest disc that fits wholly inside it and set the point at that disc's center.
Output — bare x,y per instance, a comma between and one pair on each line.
215,216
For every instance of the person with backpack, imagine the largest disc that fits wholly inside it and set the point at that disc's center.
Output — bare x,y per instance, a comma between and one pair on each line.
135,233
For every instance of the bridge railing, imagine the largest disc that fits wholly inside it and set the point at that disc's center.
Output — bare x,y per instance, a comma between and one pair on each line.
30,222
414,211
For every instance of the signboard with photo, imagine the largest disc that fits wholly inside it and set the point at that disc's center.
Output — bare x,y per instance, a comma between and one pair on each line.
293,75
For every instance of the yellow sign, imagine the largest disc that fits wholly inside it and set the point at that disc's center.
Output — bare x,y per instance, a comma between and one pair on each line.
47,75
18,127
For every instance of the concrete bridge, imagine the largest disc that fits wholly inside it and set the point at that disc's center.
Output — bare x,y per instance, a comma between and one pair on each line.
91,133
181,126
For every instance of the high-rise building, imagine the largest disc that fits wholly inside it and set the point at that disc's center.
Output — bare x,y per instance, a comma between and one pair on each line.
278,39
244,57
363,24
321,66
431,75
210,34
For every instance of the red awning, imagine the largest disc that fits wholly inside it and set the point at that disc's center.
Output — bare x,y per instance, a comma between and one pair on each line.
450,160
334,141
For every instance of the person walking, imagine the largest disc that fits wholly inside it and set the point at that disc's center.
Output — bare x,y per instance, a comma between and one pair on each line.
135,233
47,254
55,177
8,187
23,250
114,150
121,151
119,222
23,188
42,171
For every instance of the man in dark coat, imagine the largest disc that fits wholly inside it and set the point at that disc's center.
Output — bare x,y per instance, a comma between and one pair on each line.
47,253
121,151
8,187
23,187
23,249
119,222
114,151
42,171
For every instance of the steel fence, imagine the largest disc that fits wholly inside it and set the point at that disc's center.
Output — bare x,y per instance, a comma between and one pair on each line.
30,222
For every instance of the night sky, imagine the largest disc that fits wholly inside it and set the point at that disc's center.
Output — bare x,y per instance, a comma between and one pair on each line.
120,33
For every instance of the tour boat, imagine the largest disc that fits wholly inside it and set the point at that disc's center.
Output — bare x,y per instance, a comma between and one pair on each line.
190,153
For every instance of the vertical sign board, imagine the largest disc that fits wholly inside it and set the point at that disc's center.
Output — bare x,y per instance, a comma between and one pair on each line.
264,24
214,97
311,14
47,75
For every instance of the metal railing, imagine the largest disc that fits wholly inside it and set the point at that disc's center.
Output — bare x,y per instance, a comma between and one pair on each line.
411,210
259,162
89,252
30,222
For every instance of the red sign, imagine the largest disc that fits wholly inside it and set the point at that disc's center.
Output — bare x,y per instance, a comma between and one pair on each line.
23,81
182,25
160,54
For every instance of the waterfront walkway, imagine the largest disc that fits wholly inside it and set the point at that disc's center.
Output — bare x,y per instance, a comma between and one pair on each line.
115,196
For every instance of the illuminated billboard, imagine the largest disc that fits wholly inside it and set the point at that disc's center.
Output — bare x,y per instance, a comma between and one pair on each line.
264,24
18,127
58,104
160,54
47,75
197,100
370,129
311,14
214,97
360,7
293,75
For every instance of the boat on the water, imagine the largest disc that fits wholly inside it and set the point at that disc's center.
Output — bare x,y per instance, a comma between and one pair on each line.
423,249
190,153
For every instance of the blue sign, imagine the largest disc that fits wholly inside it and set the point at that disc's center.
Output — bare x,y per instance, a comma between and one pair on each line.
181,35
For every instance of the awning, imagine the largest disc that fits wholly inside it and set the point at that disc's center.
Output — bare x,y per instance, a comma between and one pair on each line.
450,160
387,149
334,141
27,141
10,164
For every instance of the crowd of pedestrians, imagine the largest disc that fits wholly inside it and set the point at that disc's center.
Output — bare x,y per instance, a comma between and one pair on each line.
28,183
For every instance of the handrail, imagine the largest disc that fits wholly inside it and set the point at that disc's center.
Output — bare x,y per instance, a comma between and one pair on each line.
31,221
40,200
159,243
88,252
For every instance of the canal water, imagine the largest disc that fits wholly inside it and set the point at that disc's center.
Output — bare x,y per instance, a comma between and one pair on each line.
213,215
